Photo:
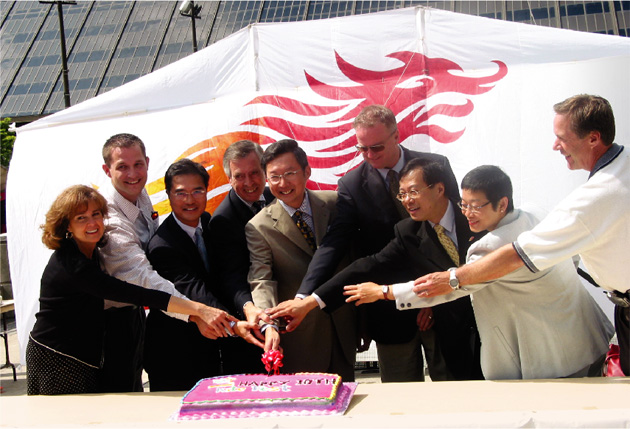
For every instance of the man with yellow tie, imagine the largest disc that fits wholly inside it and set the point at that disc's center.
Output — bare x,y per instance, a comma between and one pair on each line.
436,235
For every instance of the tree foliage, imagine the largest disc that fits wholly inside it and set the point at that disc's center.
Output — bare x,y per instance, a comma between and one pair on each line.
8,138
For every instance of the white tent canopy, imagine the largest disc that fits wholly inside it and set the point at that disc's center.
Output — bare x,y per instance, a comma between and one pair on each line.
477,90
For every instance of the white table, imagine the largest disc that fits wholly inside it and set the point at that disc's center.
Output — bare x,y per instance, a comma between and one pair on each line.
585,402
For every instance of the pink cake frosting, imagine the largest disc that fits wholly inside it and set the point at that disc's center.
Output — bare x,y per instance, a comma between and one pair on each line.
259,395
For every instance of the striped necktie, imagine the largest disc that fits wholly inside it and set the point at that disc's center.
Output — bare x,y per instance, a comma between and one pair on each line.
447,243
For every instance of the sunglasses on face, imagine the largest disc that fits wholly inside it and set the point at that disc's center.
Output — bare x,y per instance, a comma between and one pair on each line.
376,148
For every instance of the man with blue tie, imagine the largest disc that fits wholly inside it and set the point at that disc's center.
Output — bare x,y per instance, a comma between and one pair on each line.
176,355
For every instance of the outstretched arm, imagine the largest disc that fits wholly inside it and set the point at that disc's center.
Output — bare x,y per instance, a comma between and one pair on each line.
496,264
218,321
294,309
365,293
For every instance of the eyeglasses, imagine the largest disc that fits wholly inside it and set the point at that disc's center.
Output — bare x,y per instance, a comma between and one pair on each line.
473,209
411,194
276,178
374,148
197,193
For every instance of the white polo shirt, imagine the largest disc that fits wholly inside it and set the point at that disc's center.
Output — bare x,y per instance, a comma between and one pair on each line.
593,221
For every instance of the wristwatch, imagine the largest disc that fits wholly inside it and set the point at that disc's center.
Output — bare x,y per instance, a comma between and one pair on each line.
385,289
453,280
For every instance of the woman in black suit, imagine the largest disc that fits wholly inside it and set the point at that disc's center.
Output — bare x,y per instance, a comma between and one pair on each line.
64,352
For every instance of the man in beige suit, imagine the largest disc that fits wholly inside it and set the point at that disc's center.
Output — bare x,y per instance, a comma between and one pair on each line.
282,239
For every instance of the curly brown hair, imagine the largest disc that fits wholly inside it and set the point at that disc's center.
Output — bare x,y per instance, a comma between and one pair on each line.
71,201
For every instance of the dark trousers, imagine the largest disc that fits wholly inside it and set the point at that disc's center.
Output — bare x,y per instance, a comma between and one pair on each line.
176,355
622,326
240,357
123,345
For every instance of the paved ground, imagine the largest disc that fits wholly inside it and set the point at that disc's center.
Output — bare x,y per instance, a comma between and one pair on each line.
14,388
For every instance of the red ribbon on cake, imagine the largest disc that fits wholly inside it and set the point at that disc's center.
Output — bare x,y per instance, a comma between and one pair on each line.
273,361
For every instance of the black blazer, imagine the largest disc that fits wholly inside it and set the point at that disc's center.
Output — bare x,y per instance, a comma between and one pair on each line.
228,251
175,257
70,319
416,251
172,343
366,215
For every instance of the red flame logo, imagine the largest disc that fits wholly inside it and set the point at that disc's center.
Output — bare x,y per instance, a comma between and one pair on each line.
429,97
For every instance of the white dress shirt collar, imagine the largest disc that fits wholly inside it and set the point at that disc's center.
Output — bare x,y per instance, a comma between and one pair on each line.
188,229
247,203
399,166
305,208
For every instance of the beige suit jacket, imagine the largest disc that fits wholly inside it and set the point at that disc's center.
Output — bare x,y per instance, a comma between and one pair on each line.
279,257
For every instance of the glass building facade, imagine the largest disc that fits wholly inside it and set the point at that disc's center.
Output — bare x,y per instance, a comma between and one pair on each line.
110,43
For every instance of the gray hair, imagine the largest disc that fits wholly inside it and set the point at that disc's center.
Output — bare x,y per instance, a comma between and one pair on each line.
239,150
371,115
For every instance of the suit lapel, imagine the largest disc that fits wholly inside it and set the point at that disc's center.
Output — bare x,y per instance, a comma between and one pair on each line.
181,238
321,216
240,208
431,248
285,225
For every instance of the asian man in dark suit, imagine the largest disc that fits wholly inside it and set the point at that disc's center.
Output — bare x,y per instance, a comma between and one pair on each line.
367,212
176,355
436,235
228,245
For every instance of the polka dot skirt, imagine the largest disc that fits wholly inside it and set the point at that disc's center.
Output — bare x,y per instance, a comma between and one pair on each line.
52,373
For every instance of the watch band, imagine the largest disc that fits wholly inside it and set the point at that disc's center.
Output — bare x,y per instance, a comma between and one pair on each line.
385,290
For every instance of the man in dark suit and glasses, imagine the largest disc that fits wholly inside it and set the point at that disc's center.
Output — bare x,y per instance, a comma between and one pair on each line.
437,234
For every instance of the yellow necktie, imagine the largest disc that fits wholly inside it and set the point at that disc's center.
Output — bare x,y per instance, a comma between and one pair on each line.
447,243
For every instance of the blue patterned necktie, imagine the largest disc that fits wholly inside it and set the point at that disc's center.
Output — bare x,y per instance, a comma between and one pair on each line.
201,247
306,230
258,206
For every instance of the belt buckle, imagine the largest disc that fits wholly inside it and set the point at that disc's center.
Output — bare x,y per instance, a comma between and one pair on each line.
618,299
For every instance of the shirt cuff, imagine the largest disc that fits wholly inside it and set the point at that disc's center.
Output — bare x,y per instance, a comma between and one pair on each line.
268,325
321,303
404,295
178,316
